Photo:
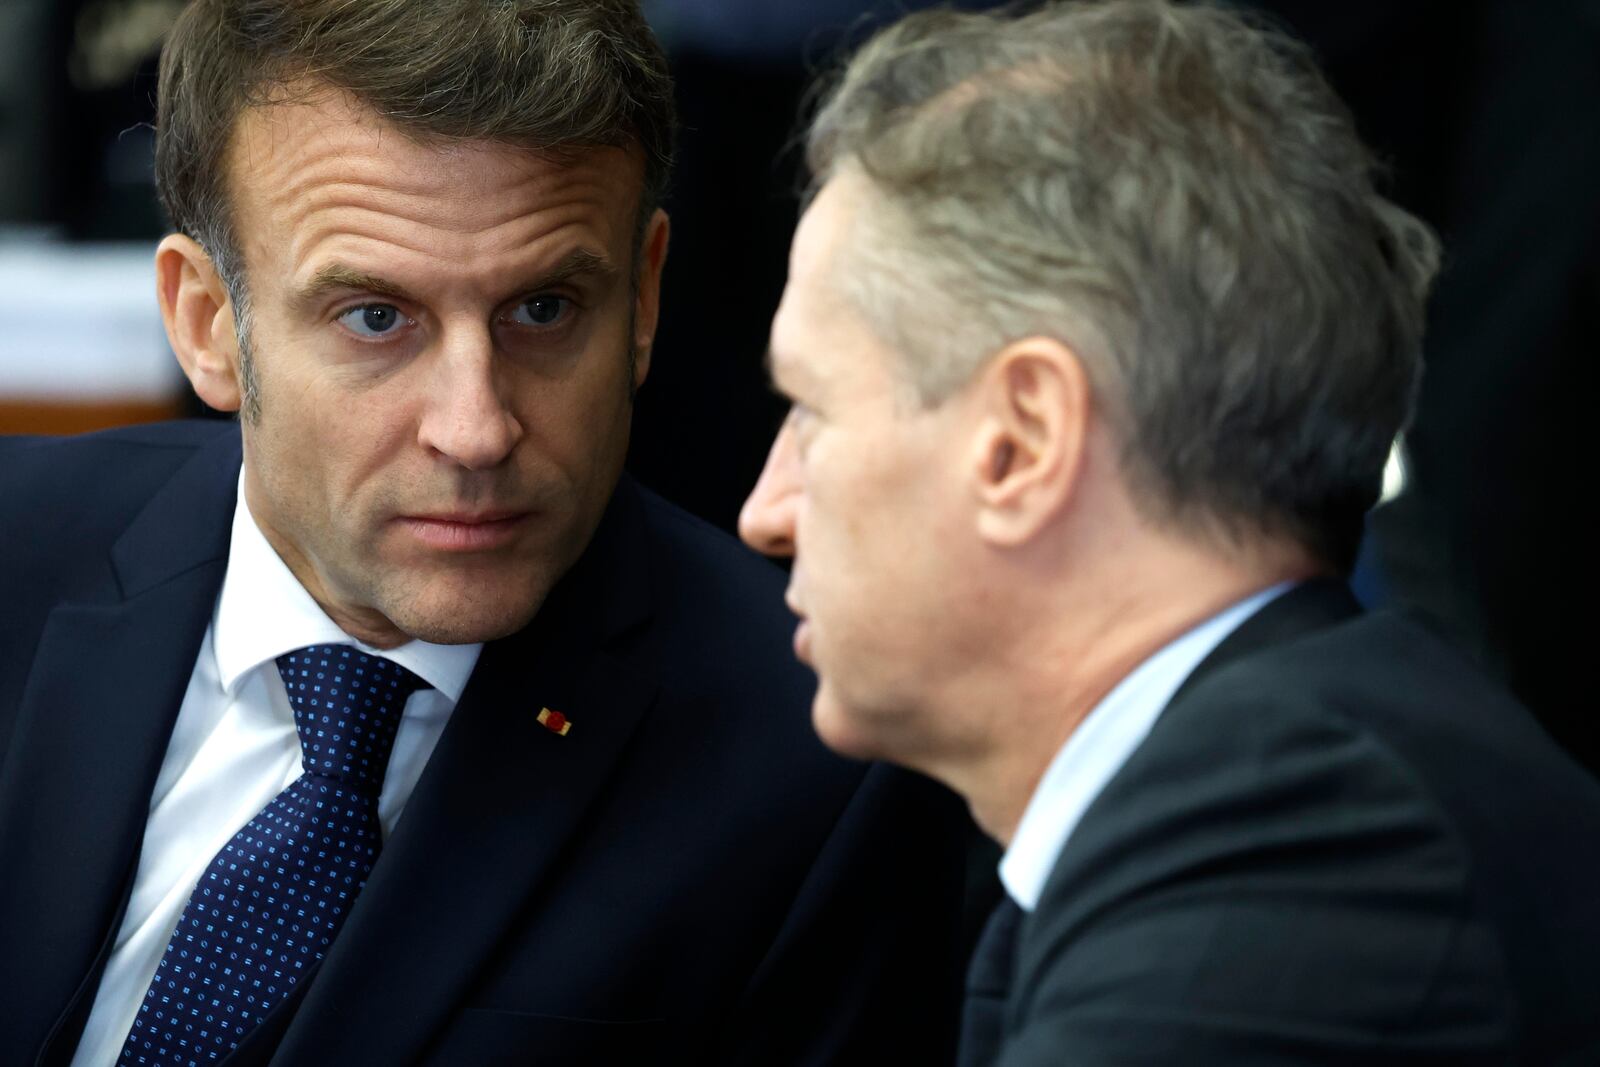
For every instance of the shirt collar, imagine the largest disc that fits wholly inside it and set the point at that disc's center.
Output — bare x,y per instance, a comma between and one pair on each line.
263,611
1102,743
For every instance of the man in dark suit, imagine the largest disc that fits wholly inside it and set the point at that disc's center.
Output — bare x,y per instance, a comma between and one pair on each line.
1098,335
389,725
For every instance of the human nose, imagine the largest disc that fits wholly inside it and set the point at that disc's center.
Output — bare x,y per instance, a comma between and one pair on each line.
466,418
767,520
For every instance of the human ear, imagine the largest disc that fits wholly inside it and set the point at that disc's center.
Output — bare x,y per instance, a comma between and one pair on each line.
1026,459
647,302
198,314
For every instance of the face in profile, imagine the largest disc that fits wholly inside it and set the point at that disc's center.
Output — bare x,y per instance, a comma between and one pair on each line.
860,488
441,338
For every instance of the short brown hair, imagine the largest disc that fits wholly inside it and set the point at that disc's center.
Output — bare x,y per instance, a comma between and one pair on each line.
545,74
1175,191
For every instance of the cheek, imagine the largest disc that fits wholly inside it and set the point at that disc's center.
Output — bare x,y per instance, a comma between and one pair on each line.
353,437
844,527
329,453
868,536
579,422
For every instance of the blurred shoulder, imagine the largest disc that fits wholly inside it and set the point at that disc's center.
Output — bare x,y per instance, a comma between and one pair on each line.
64,496
693,549
722,620
109,455
709,579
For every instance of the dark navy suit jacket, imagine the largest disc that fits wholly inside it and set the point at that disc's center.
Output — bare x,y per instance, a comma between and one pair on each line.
688,875
1340,844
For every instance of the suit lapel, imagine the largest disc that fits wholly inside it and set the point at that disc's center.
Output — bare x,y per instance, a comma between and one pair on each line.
500,798
104,689
989,978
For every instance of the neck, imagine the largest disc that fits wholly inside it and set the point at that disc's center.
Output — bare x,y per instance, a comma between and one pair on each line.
1084,642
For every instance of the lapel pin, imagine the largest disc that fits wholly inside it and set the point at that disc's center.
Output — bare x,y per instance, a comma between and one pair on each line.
554,721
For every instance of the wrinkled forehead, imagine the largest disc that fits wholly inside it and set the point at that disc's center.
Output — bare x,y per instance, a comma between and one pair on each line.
293,161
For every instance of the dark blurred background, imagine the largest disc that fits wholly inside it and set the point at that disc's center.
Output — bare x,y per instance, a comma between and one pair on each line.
1487,112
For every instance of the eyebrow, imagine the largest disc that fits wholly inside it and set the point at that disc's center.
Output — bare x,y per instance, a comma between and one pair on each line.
336,277
770,363
578,263
784,376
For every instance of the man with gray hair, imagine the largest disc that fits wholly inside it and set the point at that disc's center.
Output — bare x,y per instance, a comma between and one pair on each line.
1097,336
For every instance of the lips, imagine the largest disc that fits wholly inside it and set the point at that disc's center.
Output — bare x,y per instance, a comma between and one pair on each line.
802,643
460,531
802,631
791,599
469,518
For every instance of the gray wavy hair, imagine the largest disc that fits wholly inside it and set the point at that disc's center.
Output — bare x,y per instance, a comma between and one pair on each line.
1175,192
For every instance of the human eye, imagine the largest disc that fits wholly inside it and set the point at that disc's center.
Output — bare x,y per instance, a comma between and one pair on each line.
374,321
802,422
541,312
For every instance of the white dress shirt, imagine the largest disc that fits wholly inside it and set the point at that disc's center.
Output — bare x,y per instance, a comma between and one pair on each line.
1102,743
234,747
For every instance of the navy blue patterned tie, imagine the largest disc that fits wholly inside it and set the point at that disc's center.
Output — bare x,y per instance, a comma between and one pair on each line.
268,906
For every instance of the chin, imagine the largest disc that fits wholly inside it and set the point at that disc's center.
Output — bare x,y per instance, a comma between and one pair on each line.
467,619
842,729
463,632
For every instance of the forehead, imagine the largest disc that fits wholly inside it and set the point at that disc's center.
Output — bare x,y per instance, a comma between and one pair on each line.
819,332
323,171
821,240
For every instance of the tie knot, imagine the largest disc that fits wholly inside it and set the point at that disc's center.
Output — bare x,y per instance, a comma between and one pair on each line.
347,707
